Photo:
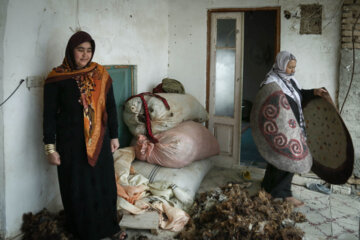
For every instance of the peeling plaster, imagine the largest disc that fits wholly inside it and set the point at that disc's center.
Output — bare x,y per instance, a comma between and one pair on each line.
351,111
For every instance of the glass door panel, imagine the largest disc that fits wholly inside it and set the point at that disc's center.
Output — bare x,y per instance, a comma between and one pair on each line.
224,82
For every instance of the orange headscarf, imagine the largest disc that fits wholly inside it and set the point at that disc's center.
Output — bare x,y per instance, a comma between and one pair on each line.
93,82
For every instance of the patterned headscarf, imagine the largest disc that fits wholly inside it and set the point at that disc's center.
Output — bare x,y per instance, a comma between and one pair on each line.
74,41
93,82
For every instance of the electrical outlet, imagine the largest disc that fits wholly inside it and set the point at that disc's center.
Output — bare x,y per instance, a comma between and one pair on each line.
34,81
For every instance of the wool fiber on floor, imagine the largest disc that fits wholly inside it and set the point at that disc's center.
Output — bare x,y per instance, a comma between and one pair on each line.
230,213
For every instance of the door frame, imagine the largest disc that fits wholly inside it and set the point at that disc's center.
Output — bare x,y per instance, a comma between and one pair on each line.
210,13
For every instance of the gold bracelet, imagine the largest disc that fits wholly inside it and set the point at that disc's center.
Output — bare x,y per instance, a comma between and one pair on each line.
49,152
50,148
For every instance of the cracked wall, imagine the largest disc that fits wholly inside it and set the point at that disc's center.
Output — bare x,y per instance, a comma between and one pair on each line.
350,52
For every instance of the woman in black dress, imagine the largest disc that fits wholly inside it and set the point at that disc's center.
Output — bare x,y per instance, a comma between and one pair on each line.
80,118
278,182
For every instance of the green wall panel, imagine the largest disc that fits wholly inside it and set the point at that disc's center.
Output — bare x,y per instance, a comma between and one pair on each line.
123,85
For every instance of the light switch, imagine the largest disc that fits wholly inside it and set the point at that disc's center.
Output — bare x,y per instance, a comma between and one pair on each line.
34,81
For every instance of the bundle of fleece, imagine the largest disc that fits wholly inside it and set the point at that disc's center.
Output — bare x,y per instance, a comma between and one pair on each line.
230,213
44,226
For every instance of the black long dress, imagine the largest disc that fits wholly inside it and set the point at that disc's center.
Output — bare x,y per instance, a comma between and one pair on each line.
88,193
278,182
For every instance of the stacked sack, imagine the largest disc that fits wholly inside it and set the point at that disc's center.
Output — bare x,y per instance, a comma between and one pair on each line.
168,129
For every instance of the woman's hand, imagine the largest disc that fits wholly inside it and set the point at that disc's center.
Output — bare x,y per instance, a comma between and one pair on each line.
320,92
54,158
114,144
324,94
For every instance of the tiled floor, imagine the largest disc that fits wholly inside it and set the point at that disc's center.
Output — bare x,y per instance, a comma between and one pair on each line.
333,216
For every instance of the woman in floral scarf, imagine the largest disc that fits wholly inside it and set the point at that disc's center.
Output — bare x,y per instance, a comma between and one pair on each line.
80,133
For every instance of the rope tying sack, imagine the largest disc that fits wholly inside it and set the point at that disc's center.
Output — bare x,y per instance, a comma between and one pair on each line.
147,115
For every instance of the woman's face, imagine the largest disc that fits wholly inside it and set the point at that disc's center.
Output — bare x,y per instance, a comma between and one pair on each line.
290,68
82,54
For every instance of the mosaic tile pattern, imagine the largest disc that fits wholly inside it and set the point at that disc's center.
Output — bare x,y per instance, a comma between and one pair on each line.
333,216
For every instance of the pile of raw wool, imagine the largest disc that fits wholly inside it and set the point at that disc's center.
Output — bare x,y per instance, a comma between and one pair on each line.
229,213
44,226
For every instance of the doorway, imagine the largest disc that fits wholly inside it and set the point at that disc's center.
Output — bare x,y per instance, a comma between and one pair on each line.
242,45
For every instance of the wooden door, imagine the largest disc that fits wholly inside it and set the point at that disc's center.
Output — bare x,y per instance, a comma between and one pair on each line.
225,90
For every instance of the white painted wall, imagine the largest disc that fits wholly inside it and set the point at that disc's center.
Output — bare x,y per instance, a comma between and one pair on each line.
149,34
317,55
126,32
3,13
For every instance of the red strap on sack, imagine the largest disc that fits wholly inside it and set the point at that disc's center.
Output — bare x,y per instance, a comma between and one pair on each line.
158,89
147,115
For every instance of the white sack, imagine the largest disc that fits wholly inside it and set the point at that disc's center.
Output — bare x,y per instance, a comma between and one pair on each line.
183,107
